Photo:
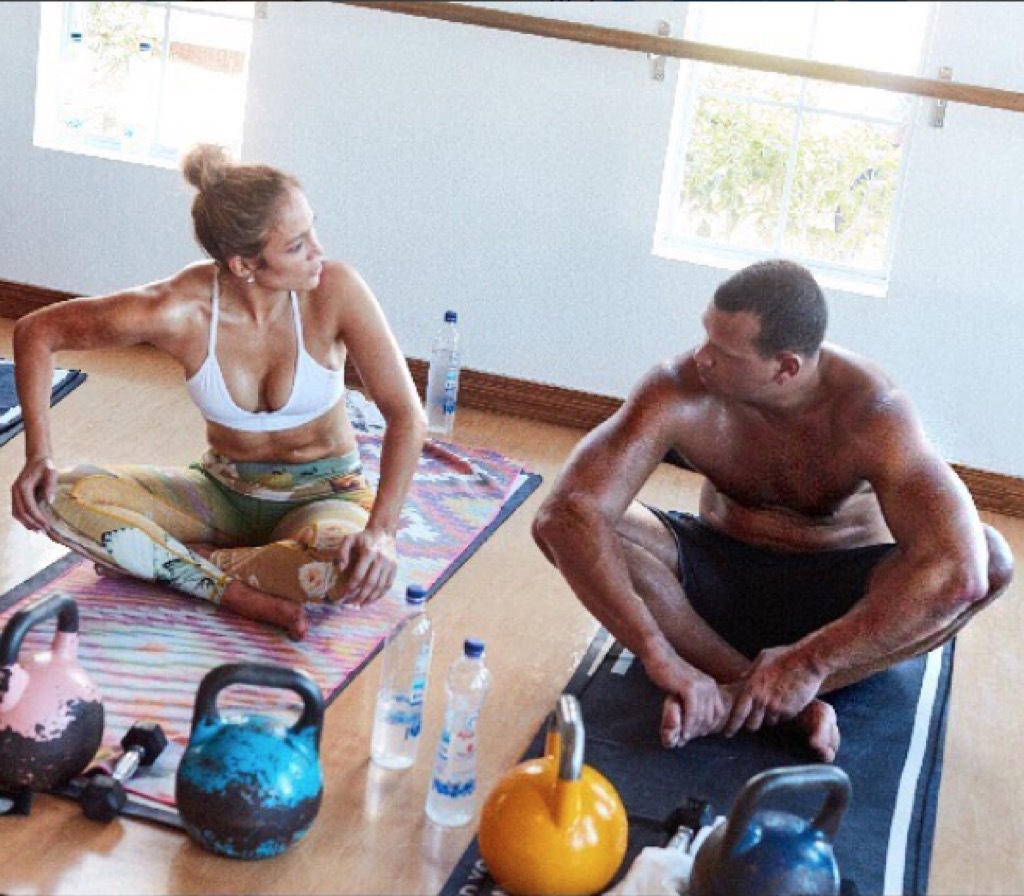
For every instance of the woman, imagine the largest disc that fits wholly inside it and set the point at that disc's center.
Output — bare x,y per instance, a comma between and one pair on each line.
277,512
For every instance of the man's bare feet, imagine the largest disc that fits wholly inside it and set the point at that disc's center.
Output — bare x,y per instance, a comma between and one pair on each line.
263,607
672,724
818,722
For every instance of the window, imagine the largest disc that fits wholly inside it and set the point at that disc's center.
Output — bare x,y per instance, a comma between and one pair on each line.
761,164
142,81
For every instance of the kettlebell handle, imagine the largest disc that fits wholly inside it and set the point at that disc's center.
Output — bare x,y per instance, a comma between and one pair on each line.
565,737
261,675
60,605
833,780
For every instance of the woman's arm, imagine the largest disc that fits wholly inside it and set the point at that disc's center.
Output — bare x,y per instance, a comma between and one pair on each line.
126,318
385,374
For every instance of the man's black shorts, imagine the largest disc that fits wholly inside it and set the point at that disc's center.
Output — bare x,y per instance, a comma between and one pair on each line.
757,598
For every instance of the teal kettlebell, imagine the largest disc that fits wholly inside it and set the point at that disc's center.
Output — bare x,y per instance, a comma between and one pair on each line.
761,852
249,787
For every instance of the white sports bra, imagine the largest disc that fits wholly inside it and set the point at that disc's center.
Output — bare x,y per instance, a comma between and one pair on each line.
315,390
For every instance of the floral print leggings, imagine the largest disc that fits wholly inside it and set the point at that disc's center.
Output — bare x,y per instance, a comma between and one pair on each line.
274,526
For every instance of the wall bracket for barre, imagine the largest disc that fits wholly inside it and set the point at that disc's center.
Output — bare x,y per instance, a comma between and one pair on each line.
658,62
937,119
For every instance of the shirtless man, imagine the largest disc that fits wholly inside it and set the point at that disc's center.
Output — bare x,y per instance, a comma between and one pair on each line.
832,540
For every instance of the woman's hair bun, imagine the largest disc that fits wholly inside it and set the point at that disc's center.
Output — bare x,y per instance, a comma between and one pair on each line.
206,165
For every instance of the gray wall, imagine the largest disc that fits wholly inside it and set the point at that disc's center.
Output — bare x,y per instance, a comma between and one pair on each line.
516,179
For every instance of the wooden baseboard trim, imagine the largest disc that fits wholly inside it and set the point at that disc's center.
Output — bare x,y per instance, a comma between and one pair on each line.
19,299
532,400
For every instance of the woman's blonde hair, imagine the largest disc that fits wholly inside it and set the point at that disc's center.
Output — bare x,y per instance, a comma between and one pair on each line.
236,204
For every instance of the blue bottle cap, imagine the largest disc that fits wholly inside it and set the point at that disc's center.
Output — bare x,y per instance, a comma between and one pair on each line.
451,317
415,594
473,648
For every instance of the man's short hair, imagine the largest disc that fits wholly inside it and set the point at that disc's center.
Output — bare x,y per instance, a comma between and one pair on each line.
786,299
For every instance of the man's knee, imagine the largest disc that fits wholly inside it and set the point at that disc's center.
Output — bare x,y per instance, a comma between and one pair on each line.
641,527
1000,564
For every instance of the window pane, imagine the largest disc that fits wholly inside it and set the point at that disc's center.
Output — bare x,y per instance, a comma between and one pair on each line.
220,7
735,172
894,107
96,76
783,29
843,191
746,82
205,80
885,37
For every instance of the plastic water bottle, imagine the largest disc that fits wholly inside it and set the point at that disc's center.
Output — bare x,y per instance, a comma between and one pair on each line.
404,675
443,377
452,797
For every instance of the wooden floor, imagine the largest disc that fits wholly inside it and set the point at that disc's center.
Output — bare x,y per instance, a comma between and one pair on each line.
371,836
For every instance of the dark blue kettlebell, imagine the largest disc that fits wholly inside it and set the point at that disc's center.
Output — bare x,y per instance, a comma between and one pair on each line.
51,713
249,787
760,852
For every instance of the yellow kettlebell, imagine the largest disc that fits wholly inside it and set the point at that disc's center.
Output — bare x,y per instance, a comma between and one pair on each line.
553,825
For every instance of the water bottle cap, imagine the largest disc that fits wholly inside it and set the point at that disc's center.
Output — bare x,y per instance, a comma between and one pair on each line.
451,317
473,648
415,594
76,35
145,46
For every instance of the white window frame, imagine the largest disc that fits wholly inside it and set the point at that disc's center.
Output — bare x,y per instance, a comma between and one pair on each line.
56,25
719,255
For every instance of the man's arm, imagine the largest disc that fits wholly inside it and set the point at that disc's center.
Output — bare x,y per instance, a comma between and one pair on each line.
916,596
576,530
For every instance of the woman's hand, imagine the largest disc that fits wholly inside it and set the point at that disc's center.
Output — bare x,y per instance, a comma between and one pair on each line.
35,486
370,558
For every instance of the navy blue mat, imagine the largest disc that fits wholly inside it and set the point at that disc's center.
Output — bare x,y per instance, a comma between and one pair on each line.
10,413
892,725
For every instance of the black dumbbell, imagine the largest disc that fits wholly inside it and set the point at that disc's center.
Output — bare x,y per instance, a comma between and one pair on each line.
686,821
104,796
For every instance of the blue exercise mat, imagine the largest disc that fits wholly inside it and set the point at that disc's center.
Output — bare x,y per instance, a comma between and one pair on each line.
892,726
64,380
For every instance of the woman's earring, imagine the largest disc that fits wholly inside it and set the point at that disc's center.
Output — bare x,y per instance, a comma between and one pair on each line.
251,278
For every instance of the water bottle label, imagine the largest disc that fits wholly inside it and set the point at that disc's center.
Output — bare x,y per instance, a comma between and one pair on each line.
455,771
451,385
454,789
399,711
414,720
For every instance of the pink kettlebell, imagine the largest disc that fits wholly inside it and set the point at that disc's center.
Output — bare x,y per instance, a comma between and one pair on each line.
51,714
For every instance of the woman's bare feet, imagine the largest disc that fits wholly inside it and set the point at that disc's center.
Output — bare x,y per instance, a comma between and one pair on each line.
263,607
110,572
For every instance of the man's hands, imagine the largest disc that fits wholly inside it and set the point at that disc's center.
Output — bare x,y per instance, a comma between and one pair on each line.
779,685
35,486
370,558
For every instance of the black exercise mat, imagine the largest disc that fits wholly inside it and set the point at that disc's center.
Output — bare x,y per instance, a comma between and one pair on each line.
892,726
64,380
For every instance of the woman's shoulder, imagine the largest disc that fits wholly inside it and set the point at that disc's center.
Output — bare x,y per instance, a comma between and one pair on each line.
194,281
338,276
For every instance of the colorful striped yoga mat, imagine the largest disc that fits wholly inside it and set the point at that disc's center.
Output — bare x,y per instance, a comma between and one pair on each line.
148,648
